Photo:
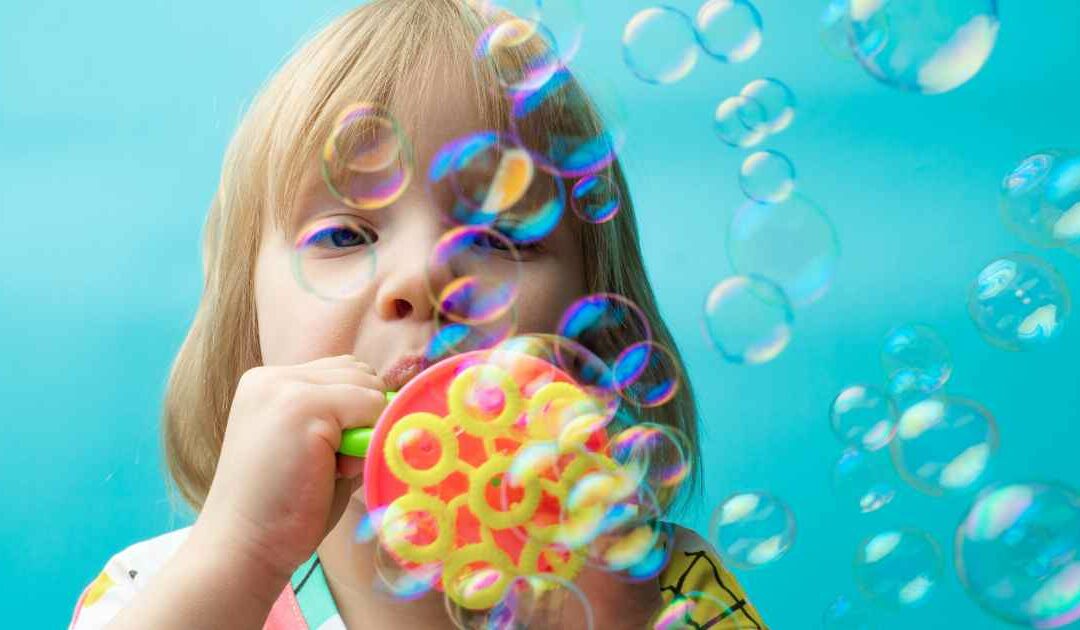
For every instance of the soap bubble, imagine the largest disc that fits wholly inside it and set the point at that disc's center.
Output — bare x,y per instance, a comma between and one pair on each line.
919,350
792,243
698,609
595,198
473,274
944,446
835,26
767,176
367,161
334,257
908,388
453,337
898,567
729,30
740,122
864,417
927,46
530,601
1019,302
847,613
659,45
594,320
748,319
777,99
1017,553
647,374
1040,199
752,529
861,480
521,52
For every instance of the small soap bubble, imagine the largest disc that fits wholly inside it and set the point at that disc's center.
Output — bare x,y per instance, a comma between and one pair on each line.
835,27
473,274
926,46
767,176
898,567
1019,302
452,337
594,320
647,374
400,581
847,613
1017,553
864,417
333,257
919,350
752,529
531,601
367,161
740,122
776,98
945,446
793,243
908,388
729,30
861,481
659,45
1040,199
521,51
595,198
748,319
652,455
697,609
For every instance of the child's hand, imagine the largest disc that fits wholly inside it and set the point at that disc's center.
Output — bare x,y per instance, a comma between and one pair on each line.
280,485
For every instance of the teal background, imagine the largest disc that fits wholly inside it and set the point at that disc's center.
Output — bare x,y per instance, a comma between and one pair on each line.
113,120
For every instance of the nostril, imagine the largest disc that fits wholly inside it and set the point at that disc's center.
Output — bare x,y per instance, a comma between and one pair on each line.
403,308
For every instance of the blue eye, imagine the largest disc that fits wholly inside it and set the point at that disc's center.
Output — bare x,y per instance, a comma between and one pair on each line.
343,236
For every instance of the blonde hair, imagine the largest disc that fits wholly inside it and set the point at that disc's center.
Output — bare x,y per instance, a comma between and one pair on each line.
376,52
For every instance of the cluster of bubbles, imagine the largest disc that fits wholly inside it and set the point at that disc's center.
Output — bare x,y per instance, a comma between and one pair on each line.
661,44
922,46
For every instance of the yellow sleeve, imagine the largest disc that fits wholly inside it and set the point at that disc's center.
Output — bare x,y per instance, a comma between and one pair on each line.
695,584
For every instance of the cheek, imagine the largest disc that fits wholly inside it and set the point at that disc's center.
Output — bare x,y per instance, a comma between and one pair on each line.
544,297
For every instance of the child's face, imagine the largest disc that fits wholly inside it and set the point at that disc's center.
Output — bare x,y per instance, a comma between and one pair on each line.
392,315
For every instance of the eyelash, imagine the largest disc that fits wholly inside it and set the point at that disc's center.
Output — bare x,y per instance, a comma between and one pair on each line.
370,237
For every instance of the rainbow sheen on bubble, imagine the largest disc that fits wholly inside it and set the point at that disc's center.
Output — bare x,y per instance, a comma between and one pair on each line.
1017,553
595,320
740,122
696,609
521,51
908,388
452,337
898,567
595,198
659,45
531,601
473,274
861,481
333,257
752,529
729,30
767,176
652,455
776,98
793,243
367,161
1019,302
945,446
863,416
1040,199
924,46
647,374
918,350
748,319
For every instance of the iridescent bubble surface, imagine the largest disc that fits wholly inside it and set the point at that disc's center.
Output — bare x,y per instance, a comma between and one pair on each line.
473,274
748,319
596,198
595,320
530,601
767,176
776,98
862,481
793,243
926,46
864,417
647,374
367,161
1019,302
919,350
1040,199
945,445
898,567
659,45
333,257
752,529
729,30
1017,553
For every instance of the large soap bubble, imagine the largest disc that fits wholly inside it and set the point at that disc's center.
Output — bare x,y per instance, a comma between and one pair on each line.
1040,199
927,46
898,567
1019,302
1017,553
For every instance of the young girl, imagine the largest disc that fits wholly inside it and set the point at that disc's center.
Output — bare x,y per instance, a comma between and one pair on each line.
270,374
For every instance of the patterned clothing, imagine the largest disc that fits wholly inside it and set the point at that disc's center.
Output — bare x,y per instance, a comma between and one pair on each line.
308,604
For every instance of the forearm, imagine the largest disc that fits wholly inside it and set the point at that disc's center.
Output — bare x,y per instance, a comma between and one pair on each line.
201,589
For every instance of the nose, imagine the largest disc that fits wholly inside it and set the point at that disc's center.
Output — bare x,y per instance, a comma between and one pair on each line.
408,289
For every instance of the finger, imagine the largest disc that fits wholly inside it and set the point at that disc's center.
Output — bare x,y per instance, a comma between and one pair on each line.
351,405
349,467
341,360
344,376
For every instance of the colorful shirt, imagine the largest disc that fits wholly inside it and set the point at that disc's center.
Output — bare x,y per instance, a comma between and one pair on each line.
307,603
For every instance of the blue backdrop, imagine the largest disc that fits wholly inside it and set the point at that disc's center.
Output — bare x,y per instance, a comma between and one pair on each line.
113,119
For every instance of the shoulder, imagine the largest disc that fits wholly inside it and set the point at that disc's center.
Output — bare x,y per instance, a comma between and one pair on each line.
124,574
695,571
